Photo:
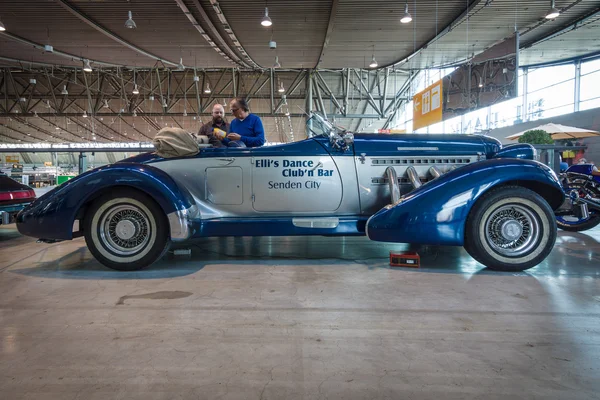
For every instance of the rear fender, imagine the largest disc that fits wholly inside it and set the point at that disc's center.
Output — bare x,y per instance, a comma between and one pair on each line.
52,215
436,212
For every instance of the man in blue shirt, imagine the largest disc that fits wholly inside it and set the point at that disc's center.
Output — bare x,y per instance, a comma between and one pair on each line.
246,128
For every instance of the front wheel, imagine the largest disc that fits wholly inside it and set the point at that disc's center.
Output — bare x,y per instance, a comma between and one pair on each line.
510,229
126,230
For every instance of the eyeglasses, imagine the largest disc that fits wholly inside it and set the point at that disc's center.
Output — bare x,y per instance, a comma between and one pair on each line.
234,109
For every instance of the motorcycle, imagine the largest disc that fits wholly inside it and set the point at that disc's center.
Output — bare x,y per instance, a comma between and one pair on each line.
581,209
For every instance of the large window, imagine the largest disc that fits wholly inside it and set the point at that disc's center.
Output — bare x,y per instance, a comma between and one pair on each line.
588,93
543,103
550,92
506,113
541,78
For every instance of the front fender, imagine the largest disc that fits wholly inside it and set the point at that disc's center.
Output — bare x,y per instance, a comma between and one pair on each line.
52,215
436,212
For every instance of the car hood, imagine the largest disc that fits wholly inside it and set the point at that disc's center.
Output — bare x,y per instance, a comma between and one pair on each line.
425,144
7,184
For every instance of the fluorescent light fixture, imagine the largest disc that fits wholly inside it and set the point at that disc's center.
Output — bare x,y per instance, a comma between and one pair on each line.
554,12
130,23
276,65
406,18
86,66
84,114
135,89
281,88
207,90
2,27
373,63
480,83
266,21
106,103
64,91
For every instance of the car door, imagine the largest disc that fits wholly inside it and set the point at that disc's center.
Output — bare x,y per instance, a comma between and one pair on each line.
296,178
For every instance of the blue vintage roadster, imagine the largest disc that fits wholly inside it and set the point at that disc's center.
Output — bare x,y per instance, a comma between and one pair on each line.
463,190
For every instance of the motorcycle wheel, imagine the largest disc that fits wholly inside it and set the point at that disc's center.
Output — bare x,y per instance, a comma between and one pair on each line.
577,225
573,223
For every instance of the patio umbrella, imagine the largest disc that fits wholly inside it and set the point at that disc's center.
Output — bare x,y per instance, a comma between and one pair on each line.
560,132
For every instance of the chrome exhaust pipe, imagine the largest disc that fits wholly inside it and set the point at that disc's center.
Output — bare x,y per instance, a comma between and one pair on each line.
392,178
413,176
435,172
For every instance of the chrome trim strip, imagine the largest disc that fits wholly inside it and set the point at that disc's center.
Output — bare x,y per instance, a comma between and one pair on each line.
316,223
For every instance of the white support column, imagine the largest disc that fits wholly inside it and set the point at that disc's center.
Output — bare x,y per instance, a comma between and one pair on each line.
577,98
524,113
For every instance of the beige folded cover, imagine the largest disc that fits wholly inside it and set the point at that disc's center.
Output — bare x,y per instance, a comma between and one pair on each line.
175,142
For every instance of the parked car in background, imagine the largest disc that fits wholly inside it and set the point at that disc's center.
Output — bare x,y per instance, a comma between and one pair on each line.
14,196
462,190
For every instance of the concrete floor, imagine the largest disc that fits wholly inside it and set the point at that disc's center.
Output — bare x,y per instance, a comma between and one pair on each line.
297,318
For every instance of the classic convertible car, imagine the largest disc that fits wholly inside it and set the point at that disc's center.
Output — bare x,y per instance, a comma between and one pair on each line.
463,190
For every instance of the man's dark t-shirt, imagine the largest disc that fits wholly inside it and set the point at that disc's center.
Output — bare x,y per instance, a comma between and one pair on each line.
207,130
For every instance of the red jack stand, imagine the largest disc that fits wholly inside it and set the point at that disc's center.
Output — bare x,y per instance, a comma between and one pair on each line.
409,259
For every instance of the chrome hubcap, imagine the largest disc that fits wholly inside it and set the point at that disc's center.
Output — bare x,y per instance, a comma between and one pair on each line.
124,229
512,230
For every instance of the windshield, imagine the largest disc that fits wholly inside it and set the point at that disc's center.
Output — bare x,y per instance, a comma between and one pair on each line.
318,125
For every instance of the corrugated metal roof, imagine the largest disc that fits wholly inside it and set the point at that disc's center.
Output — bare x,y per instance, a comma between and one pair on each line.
360,28
570,44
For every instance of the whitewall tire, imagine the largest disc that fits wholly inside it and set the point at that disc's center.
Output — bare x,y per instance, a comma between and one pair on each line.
126,230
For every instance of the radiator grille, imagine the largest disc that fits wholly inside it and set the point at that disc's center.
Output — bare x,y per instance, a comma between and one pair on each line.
419,161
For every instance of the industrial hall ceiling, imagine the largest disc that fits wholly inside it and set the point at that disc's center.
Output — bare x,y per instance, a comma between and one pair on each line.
182,56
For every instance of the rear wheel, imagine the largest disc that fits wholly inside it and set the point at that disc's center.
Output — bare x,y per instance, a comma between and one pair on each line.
126,230
510,229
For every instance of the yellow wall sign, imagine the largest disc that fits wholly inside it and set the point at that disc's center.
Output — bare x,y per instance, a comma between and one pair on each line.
427,106
12,159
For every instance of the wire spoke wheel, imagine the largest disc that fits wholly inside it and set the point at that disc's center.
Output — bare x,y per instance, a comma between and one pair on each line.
124,229
512,230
